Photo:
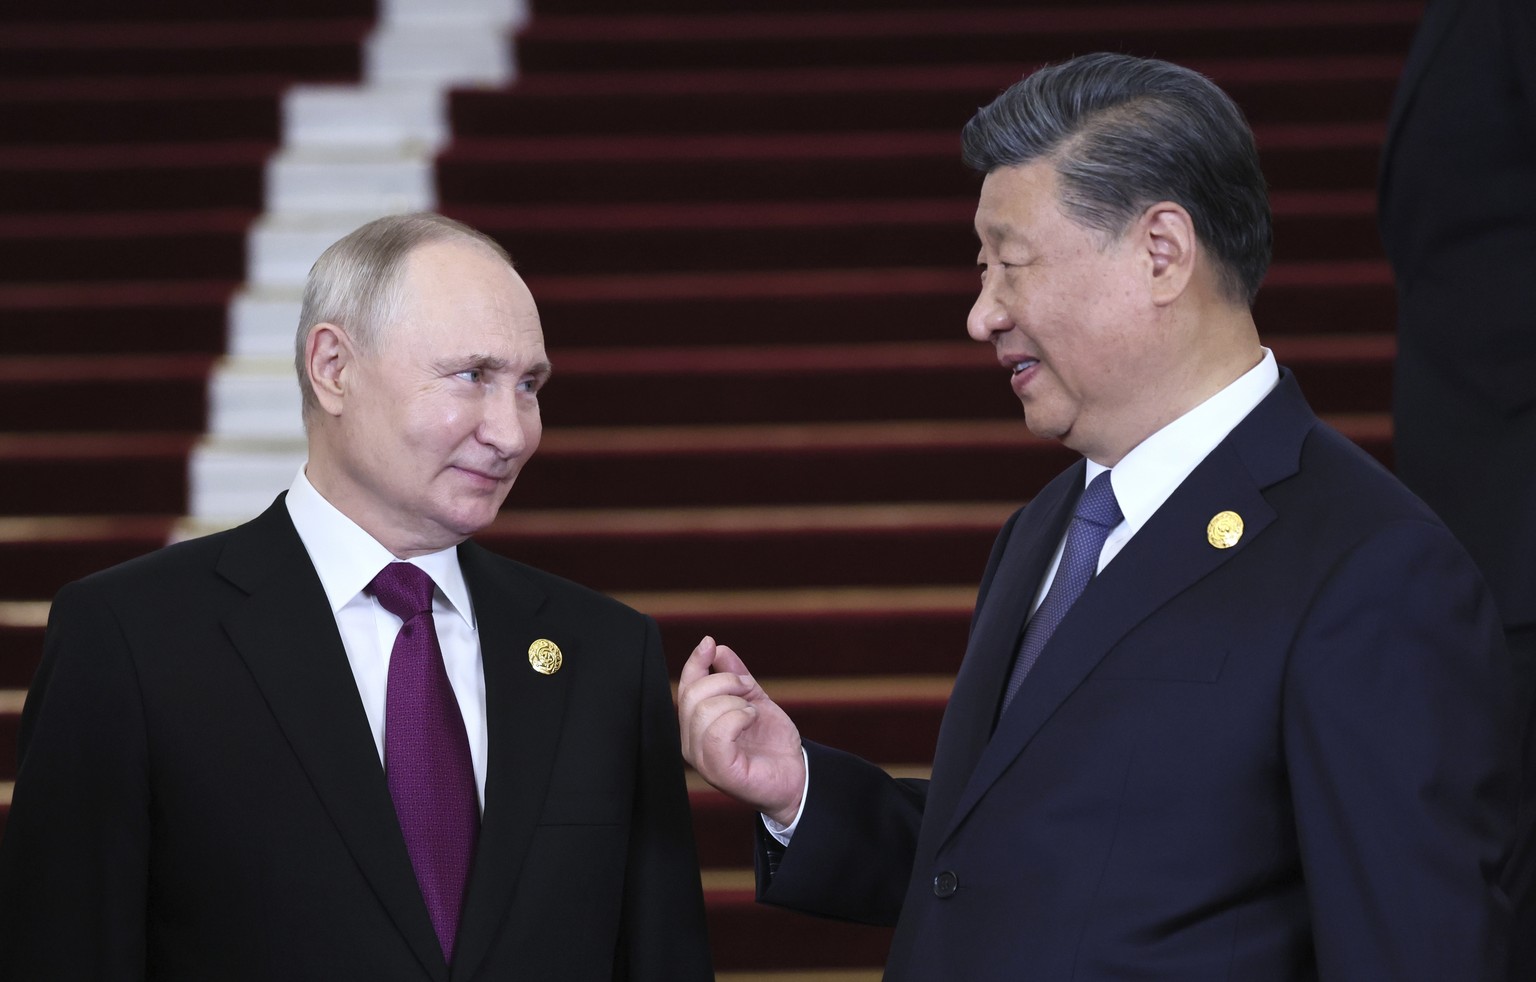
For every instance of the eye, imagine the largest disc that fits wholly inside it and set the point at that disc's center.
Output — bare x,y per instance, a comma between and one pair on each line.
530,384
471,374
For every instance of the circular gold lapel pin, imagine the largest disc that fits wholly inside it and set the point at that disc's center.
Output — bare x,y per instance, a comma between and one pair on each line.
544,655
1225,530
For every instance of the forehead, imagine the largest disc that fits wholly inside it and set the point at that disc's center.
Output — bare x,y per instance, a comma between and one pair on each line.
459,294
1018,202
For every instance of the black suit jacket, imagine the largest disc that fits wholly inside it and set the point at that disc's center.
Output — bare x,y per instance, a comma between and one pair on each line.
1458,220
200,798
1282,761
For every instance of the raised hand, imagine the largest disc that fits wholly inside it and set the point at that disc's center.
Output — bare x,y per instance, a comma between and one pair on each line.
736,737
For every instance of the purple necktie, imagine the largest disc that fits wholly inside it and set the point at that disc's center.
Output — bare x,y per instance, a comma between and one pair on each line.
1097,513
426,752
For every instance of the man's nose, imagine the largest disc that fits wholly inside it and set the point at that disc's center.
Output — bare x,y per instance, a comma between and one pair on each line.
989,316
506,427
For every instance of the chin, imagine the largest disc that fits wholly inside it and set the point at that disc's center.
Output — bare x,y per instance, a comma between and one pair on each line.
1045,429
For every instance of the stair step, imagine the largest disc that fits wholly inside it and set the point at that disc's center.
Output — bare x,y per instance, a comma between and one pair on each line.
87,473
21,639
208,244
877,718
859,545
11,701
84,113
110,13
906,97
126,246
312,49
606,36
119,317
815,166
846,631
762,941
888,305
167,393
741,236
122,177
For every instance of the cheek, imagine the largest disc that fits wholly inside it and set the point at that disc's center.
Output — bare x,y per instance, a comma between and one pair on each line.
442,423
533,430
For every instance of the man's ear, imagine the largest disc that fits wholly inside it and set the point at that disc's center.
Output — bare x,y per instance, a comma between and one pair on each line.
1172,249
329,357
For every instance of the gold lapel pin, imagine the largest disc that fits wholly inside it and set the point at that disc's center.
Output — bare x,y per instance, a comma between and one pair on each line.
544,655
1225,530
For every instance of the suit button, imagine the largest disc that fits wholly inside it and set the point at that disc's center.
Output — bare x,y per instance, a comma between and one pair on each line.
945,884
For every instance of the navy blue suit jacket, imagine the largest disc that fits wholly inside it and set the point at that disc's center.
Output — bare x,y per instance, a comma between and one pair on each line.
1289,759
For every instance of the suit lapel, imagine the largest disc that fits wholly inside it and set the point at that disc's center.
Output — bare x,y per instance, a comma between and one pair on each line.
1167,556
999,623
287,636
524,714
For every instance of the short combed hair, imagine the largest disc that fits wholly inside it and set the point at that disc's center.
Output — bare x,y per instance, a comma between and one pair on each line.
355,284
1124,133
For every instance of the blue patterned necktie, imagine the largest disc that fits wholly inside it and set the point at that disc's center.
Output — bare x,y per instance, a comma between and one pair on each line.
1097,513
426,752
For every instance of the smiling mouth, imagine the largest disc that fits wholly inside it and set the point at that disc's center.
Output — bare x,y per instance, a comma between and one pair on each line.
483,475
1026,364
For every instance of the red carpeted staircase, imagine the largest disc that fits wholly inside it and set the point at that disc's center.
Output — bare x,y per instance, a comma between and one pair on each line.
132,148
748,231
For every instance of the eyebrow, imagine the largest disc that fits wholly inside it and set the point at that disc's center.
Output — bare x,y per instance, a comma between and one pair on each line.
493,364
997,232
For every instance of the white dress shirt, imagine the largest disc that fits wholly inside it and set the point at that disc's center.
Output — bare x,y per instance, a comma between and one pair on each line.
347,559
1144,479
1148,475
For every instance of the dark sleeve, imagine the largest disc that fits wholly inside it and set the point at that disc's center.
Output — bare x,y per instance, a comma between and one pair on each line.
851,855
74,861
1400,743
663,938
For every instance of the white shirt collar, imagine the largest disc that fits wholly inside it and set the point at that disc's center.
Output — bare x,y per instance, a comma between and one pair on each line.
1149,474
348,558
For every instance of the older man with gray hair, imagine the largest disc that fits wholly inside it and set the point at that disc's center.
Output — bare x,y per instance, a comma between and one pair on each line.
1234,705
340,742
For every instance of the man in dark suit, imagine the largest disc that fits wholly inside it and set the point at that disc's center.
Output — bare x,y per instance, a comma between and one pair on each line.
1458,219
201,795
1234,701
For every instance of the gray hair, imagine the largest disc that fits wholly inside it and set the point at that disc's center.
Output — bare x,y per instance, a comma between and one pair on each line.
356,283
1124,133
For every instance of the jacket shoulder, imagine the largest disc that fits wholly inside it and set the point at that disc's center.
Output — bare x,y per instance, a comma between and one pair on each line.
567,594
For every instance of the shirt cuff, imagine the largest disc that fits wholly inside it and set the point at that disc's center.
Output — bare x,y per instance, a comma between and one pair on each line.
783,833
